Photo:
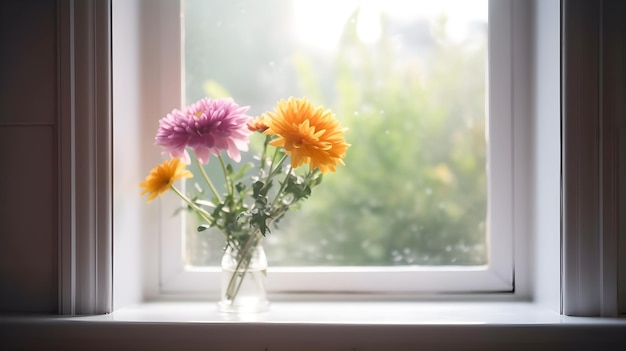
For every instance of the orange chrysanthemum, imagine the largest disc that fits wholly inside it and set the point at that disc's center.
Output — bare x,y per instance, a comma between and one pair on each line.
309,134
162,177
257,124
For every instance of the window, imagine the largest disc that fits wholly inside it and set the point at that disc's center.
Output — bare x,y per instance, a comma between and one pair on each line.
492,271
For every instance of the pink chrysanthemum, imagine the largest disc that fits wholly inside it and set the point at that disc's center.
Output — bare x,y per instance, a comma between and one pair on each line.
207,127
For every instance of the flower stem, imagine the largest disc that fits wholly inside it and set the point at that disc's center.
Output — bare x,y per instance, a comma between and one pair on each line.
273,161
243,258
277,168
264,155
282,187
274,170
208,180
205,215
229,182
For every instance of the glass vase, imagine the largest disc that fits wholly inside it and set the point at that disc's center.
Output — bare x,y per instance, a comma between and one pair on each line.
243,281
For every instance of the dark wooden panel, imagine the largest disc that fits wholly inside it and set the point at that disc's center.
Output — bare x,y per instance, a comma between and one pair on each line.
614,108
28,220
28,61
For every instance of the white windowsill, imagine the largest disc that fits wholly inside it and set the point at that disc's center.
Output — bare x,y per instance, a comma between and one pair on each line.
354,313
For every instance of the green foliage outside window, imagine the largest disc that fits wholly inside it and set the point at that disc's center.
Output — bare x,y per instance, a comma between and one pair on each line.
414,191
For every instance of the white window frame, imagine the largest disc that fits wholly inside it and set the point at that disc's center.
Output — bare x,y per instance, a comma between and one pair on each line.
178,279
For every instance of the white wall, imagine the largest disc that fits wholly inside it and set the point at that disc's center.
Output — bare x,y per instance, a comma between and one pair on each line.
547,153
142,94
128,215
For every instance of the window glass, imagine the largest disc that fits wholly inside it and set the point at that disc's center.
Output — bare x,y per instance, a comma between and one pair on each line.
408,80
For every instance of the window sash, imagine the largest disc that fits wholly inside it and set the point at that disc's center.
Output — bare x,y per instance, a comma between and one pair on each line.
177,278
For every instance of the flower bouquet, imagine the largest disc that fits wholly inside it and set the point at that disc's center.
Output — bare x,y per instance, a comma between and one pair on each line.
253,199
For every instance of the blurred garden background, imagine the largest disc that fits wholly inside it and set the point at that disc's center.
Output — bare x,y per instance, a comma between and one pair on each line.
408,80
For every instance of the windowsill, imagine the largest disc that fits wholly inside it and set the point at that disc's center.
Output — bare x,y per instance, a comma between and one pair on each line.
340,312
355,313
320,326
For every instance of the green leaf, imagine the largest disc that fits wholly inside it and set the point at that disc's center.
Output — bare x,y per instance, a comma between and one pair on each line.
259,220
242,171
180,209
203,227
240,187
204,203
297,187
256,187
317,179
260,189
260,202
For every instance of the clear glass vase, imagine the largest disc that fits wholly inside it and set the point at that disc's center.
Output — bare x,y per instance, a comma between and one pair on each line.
243,281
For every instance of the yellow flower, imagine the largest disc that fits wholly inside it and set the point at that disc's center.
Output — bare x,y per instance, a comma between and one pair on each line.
308,134
162,177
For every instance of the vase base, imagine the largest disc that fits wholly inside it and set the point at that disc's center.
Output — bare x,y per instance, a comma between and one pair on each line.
255,306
